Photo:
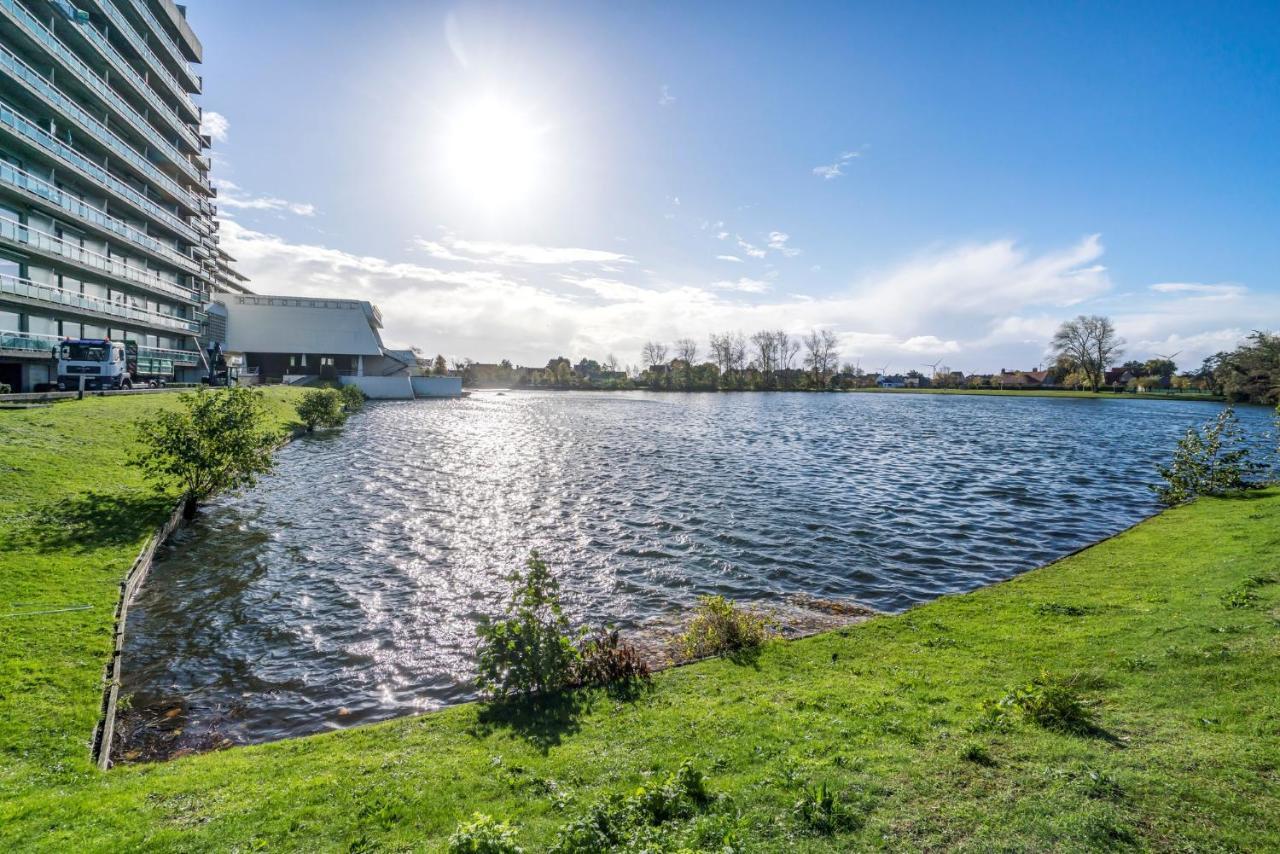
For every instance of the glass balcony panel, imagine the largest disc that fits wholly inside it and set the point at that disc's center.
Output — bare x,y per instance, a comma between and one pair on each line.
12,176
29,130
42,35
49,244
28,289
10,62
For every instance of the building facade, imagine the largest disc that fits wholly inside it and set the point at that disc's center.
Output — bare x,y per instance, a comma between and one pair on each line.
107,223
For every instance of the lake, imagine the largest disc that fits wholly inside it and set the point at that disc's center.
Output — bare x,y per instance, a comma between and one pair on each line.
345,587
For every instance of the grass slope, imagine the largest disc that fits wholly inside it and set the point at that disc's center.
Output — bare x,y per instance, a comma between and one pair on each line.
1187,691
73,516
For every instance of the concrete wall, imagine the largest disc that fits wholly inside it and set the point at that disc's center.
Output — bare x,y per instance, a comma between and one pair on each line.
382,388
437,386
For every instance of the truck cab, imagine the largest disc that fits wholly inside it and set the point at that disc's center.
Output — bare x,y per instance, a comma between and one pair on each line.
100,361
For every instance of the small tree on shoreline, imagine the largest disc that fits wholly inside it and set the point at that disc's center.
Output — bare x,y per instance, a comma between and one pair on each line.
216,441
322,407
1209,460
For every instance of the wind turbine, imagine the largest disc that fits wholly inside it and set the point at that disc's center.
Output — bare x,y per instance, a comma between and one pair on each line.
1168,358
933,369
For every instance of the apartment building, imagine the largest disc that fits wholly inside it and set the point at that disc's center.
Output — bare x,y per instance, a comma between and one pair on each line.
107,223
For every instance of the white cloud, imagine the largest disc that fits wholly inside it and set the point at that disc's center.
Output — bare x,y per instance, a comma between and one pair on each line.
733,258
230,196
750,249
452,248
778,241
930,344
834,170
983,305
743,285
214,125
1223,290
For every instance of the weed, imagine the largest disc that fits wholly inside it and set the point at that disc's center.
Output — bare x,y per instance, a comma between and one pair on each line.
604,659
483,835
821,811
1058,609
630,822
977,754
719,627
1049,701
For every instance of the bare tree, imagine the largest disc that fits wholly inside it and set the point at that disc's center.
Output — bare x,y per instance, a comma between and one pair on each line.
1090,345
821,353
737,351
687,352
788,348
653,353
721,347
766,352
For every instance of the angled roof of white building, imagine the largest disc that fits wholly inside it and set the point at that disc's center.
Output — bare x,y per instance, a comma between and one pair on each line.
257,323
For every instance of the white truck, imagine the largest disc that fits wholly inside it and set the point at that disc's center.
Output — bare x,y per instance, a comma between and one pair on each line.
103,363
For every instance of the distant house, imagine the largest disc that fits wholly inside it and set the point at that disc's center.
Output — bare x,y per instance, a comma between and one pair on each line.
1023,379
1118,377
893,381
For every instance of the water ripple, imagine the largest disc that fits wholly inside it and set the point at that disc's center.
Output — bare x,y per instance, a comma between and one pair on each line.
346,586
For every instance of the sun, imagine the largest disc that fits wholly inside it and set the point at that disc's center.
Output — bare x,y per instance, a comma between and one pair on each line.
493,153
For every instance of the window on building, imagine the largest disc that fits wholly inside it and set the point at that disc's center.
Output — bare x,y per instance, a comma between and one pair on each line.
326,361
298,361
10,321
10,267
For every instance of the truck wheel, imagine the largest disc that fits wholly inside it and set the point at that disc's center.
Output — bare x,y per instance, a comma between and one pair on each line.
126,385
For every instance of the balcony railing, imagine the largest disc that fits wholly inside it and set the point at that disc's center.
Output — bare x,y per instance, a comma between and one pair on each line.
27,289
45,37
126,30
174,53
126,70
19,179
28,129
29,342
51,245
55,97
177,357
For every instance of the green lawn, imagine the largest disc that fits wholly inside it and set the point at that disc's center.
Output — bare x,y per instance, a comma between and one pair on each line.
1186,689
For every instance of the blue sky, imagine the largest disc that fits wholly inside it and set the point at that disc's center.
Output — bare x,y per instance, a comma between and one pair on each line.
930,181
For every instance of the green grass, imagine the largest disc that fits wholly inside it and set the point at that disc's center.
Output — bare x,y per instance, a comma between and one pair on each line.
885,721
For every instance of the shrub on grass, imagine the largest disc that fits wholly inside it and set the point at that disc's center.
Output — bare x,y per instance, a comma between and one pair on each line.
216,441
1052,702
1209,460
352,398
5,389
634,822
977,754
604,659
483,835
531,651
719,627
321,407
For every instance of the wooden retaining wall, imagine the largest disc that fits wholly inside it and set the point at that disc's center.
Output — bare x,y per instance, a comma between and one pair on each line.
128,589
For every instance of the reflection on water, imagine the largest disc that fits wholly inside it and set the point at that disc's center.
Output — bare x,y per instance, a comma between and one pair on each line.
345,587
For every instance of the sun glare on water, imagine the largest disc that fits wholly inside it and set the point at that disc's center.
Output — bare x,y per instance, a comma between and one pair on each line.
493,153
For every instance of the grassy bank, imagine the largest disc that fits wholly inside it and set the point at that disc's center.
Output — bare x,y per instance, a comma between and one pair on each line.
1176,653
73,516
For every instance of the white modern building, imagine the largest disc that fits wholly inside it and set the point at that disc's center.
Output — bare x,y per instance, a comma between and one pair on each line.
272,339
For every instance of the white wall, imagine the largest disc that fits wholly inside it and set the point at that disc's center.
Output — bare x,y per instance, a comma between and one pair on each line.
437,386
382,388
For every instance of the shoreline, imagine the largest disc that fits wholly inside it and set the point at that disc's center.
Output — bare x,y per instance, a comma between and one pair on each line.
1064,394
